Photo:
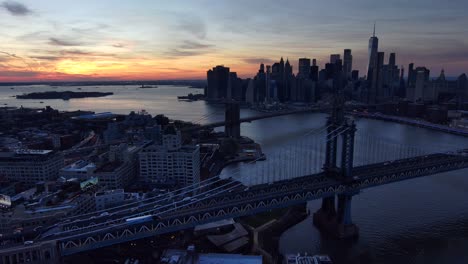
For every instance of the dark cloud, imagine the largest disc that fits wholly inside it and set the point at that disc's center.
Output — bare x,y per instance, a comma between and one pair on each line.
193,25
48,58
82,26
33,36
17,57
9,54
77,52
22,74
190,45
258,61
15,8
183,53
62,42
190,48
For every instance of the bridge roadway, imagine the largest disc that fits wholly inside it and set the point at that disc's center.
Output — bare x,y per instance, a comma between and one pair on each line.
412,122
254,118
259,199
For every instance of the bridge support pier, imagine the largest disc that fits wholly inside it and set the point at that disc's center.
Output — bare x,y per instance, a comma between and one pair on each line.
337,223
345,226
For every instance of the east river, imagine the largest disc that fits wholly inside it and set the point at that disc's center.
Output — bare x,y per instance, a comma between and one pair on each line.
423,220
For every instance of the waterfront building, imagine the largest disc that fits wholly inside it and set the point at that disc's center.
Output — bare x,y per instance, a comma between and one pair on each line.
31,166
109,198
347,63
416,91
304,68
218,82
234,90
43,205
372,53
314,71
170,163
334,58
115,171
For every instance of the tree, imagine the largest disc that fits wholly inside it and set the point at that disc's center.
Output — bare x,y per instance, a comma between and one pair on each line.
162,120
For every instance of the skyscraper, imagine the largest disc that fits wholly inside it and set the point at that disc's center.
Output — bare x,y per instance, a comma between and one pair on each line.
379,76
347,63
334,58
314,71
373,49
392,59
355,75
268,83
402,88
304,68
218,82
411,76
288,75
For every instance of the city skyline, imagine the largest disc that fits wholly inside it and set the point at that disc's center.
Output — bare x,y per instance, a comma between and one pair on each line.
53,40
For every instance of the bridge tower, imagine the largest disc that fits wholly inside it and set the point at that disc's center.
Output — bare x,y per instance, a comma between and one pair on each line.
331,218
232,115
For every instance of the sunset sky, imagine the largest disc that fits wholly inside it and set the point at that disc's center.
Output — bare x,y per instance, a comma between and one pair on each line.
154,39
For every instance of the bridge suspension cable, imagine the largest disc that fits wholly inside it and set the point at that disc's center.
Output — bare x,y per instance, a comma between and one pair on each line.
207,183
206,116
371,149
174,206
283,173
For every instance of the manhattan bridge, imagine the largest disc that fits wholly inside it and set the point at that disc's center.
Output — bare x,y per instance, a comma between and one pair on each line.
333,163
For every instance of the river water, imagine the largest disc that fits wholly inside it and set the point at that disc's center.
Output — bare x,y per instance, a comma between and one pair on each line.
423,220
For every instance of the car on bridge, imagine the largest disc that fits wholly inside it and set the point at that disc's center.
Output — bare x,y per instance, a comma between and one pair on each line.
139,219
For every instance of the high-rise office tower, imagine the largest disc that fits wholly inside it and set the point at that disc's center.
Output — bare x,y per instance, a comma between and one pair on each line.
379,78
338,75
288,75
259,88
373,49
411,76
422,78
262,68
288,69
218,81
314,71
402,89
334,58
330,71
304,68
347,63
355,75
392,59
234,87
280,79
268,82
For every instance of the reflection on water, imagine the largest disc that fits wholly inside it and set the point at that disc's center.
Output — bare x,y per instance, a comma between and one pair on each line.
125,99
416,221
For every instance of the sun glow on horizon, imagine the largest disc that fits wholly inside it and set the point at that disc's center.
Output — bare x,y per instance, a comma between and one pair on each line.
110,40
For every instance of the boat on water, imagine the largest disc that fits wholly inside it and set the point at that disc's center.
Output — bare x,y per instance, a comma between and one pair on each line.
12,88
148,86
79,88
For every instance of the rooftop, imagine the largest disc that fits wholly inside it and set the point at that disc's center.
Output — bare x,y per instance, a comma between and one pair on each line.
109,192
228,259
81,165
109,167
26,154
